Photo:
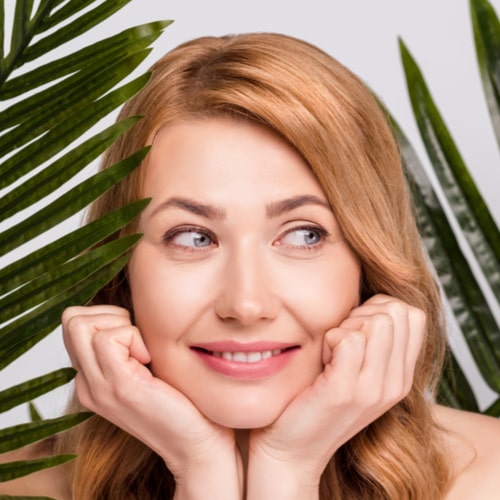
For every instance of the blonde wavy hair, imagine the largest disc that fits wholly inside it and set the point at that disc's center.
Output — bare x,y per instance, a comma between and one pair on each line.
329,116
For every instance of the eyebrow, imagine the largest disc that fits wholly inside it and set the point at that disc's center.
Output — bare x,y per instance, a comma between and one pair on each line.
202,209
278,208
273,210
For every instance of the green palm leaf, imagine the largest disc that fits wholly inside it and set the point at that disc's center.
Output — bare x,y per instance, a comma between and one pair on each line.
60,280
23,333
41,153
21,393
460,284
63,169
466,202
14,470
464,294
34,413
455,389
124,45
486,29
66,247
68,204
17,436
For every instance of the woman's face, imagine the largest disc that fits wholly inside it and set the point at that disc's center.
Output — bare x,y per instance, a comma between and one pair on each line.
241,270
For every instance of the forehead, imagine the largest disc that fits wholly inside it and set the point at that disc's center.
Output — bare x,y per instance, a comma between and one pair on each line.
217,155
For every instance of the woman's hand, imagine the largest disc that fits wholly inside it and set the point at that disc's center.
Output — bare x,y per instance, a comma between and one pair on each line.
369,365
109,355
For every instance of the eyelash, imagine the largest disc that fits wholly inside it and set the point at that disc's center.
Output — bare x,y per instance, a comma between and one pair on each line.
321,232
171,234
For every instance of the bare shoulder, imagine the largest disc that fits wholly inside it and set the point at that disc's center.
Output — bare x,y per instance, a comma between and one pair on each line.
48,482
473,443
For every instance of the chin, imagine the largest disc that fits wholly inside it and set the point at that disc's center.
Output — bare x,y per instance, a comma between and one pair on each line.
246,417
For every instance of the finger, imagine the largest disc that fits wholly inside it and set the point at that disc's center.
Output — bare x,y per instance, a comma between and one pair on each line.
398,312
348,349
78,332
379,298
409,332
379,331
393,382
119,349
71,311
417,330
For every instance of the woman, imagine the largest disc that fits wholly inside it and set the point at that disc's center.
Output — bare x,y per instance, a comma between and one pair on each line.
277,333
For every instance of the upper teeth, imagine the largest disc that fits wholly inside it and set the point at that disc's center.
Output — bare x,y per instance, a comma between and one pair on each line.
247,357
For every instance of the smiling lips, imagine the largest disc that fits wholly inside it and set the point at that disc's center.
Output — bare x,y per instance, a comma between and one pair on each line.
246,357
245,361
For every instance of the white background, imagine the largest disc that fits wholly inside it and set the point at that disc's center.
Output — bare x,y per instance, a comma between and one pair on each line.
363,35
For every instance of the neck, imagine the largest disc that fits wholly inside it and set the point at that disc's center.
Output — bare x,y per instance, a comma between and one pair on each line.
242,438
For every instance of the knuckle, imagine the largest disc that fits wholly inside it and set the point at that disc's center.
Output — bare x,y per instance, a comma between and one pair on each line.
99,339
69,313
397,307
418,316
76,323
382,320
355,339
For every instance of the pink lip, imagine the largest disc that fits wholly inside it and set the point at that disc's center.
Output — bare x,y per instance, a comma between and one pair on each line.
240,370
233,346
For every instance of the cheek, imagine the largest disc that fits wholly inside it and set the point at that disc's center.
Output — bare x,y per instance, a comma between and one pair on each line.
167,298
322,296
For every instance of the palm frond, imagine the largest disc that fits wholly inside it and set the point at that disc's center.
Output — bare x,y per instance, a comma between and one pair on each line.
463,287
486,29
48,108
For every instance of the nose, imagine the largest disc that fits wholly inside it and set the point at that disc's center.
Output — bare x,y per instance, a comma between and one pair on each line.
245,291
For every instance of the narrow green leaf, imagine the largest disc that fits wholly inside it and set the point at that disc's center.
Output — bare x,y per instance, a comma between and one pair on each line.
13,470
22,334
56,174
67,246
21,435
69,203
446,394
65,133
75,28
62,278
21,18
31,389
486,29
66,11
16,51
34,413
45,7
29,11
454,389
125,44
47,108
494,409
464,198
462,290
2,38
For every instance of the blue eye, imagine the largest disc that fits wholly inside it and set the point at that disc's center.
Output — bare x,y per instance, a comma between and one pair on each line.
303,237
189,238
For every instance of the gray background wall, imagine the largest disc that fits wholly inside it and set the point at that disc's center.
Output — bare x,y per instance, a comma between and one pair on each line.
363,35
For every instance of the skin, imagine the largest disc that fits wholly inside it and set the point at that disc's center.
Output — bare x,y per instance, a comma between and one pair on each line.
285,275
275,278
